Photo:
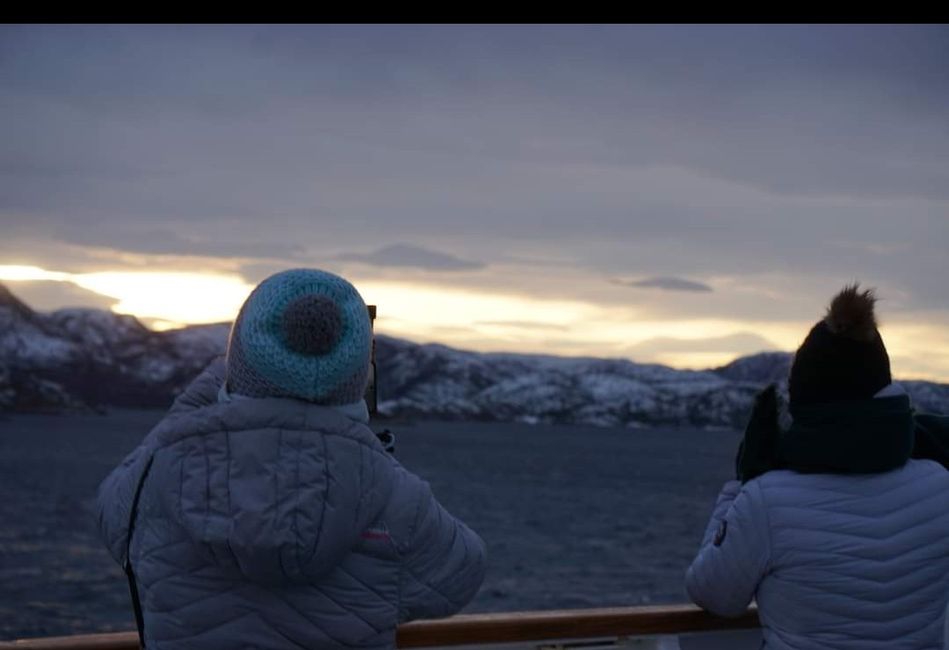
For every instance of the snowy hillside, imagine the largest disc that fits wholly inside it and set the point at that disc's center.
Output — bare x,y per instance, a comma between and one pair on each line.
88,358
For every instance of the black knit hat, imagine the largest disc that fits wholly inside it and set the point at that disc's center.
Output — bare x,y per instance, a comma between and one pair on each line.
843,357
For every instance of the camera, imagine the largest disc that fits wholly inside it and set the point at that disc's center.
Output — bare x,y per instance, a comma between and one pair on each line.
372,400
386,437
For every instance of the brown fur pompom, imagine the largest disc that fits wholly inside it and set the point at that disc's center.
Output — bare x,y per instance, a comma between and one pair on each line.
851,313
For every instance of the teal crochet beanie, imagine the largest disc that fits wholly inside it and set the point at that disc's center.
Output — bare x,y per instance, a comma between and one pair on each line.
304,334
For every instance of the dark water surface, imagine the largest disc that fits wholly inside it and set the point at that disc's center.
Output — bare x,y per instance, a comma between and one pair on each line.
572,516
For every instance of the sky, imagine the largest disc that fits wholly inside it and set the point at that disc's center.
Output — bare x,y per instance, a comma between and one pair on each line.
680,194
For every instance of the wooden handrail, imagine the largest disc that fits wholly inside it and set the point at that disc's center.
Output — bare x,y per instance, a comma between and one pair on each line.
508,627
515,627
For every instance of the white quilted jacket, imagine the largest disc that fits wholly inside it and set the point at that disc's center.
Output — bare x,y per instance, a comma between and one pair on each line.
834,561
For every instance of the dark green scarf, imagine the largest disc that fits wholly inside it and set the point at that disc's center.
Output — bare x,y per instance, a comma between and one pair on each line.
854,437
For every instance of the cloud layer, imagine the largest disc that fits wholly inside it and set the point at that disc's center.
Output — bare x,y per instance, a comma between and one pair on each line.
406,255
772,163
667,283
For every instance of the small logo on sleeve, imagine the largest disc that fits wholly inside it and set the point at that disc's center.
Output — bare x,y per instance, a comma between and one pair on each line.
720,534
375,533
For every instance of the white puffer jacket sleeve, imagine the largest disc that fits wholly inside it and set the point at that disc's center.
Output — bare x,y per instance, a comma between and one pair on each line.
735,552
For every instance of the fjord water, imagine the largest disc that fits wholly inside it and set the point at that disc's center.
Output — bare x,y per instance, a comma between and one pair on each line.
572,516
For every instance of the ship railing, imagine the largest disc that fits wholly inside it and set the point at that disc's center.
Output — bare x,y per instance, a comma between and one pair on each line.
642,627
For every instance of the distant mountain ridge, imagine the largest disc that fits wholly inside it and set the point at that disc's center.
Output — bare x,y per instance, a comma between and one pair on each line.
89,358
76,358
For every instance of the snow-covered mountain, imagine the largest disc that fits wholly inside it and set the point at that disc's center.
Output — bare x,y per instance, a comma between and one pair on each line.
88,358
75,358
436,381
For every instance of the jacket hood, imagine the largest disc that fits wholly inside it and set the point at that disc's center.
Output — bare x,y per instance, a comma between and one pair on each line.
280,489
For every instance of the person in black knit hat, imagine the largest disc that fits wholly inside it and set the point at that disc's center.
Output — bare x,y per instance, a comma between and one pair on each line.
836,525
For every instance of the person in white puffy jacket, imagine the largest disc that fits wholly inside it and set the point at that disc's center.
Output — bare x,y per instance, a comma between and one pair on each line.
263,513
838,525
